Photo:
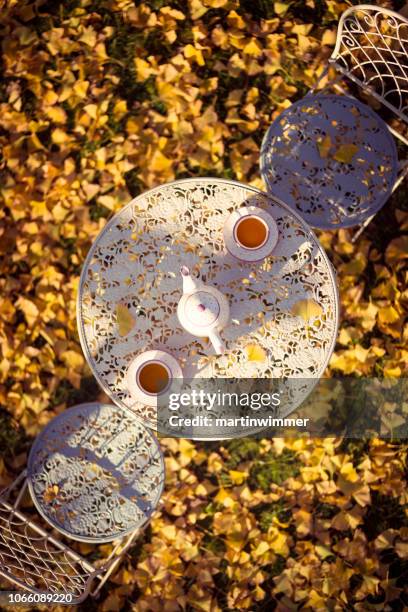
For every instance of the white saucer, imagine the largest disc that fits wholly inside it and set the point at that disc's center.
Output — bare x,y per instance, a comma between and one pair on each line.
168,361
246,254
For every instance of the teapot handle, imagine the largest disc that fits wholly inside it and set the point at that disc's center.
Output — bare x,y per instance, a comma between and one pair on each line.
217,343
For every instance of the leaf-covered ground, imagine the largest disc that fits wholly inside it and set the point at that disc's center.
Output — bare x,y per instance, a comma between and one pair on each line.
100,100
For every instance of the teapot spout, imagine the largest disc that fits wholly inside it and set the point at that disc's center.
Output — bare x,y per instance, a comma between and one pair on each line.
217,342
189,284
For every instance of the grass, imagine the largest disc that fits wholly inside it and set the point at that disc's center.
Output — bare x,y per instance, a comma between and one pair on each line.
266,513
273,469
12,437
242,449
133,183
66,393
98,211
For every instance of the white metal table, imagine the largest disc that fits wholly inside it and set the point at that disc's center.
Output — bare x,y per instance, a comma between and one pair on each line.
284,310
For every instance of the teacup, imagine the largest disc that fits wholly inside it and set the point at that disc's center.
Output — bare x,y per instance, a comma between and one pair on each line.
250,233
150,376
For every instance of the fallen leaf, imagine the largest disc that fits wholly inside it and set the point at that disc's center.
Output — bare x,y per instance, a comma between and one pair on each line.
50,494
194,54
281,8
329,37
29,309
397,250
124,320
307,309
237,477
324,146
345,153
255,352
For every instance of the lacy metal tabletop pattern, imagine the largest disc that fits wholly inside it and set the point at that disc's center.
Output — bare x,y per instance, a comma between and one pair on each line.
331,158
134,266
95,472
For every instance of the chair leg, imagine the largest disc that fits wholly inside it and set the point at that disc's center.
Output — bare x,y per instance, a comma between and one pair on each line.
7,490
361,229
401,177
316,85
113,561
332,83
112,567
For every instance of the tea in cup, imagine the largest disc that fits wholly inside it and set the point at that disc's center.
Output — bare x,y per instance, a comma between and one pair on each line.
250,233
153,377
150,376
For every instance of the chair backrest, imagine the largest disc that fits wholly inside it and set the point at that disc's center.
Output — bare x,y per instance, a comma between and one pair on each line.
34,561
372,50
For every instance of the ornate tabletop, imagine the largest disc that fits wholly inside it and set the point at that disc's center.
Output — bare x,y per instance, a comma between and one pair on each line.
331,158
95,473
284,310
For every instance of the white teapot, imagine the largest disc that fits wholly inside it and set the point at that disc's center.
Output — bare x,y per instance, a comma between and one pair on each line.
202,310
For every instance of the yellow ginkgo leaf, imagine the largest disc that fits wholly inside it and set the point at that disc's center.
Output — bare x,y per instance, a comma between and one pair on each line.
224,497
50,493
29,309
235,20
255,352
323,552
324,146
391,371
197,9
237,477
143,69
80,88
159,162
194,54
348,472
307,309
281,8
345,153
58,136
397,250
124,320
388,314
253,48
92,110
329,37
56,114
315,601
72,359
50,97
88,36
215,3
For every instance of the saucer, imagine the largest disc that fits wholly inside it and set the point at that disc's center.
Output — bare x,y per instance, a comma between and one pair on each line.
241,252
168,361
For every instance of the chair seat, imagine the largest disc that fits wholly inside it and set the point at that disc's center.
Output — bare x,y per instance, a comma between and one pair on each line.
331,158
95,473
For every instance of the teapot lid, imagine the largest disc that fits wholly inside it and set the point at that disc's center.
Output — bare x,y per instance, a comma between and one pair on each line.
202,308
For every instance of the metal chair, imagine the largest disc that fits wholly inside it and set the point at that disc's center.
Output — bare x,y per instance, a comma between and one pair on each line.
95,475
331,157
